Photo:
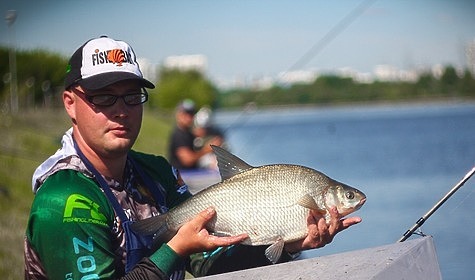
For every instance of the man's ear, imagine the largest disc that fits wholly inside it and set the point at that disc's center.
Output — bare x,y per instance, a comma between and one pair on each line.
69,101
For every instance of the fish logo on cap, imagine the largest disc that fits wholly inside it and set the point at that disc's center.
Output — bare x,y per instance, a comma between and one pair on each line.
116,56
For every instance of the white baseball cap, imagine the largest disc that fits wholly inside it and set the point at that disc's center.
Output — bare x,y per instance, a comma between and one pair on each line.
101,62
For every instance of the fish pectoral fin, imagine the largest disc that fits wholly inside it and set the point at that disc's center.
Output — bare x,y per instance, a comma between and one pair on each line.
229,164
274,251
307,201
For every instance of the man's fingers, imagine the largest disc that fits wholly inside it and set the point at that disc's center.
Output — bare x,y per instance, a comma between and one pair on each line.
227,240
205,216
335,222
350,221
323,231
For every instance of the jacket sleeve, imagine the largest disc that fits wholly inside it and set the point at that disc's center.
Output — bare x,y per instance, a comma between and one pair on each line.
70,230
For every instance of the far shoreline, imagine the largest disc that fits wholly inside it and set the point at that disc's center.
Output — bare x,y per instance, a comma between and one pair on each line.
252,107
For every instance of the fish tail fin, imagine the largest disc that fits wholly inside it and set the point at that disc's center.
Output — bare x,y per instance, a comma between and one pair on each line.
155,225
274,251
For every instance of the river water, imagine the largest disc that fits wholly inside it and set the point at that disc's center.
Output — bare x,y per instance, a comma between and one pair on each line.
405,158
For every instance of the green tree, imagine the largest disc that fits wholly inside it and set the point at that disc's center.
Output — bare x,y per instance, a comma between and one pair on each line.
40,75
449,80
174,85
467,84
426,85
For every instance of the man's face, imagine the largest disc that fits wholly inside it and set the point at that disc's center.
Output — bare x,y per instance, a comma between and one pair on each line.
185,119
108,131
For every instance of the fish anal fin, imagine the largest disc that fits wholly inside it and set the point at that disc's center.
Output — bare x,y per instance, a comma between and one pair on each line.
307,201
229,164
274,251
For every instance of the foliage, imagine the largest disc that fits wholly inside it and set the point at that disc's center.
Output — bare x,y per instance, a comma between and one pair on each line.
175,85
331,89
40,76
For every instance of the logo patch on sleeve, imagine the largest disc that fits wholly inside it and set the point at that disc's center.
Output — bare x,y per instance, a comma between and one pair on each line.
80,209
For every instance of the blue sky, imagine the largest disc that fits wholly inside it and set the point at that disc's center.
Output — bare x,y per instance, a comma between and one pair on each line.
255,38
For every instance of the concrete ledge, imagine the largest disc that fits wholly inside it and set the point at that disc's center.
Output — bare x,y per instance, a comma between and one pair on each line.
412,259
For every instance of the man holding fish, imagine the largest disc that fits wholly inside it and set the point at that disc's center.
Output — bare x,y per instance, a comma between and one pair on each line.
89,194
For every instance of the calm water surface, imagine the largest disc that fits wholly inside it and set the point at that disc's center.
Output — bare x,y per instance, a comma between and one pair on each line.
405,158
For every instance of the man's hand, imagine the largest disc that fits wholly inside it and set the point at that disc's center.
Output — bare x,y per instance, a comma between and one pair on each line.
319,232
193,237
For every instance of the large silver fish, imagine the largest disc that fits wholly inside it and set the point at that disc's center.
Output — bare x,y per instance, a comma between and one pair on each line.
270,203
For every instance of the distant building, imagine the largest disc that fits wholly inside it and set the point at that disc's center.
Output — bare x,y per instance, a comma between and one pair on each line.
389,73
148,69
347,72
299,76
196,62
470,54
437,71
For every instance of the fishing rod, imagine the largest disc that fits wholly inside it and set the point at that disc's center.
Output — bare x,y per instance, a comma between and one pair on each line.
436,206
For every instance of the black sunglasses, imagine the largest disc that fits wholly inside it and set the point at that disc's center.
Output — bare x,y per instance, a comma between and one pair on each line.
106,100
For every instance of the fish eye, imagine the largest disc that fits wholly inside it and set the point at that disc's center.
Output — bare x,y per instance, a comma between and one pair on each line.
350,195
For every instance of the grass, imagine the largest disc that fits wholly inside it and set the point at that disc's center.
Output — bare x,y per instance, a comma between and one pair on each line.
27,139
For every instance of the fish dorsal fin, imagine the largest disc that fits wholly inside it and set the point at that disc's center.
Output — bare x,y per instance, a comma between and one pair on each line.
307,201
229,164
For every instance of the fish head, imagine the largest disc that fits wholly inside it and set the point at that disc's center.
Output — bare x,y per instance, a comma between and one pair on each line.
346,199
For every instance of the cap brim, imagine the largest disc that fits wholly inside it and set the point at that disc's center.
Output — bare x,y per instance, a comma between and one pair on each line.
106,79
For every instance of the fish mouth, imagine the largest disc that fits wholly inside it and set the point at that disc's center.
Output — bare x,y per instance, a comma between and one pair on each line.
362,201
